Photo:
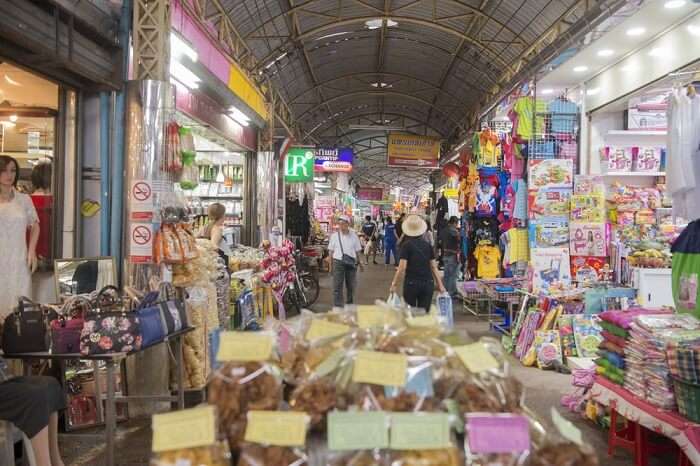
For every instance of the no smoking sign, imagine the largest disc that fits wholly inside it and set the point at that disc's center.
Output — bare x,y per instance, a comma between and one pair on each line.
141,243
141,200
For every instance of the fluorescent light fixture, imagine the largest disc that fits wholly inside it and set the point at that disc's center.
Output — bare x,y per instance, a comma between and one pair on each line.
183,75
547,91
694,29
376,128
179,47
593,91
580,69
7,124
335,34
240,122
284,54
376,23
390,23
11,81
636,31
238,115
605,52
658,52
13,118
674,4
381,85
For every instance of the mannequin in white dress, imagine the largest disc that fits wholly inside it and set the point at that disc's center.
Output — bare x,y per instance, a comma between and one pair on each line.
17,259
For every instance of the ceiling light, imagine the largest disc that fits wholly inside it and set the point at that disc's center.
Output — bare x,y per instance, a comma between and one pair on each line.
184,75
547,91
382,85
11,81
376,23
674,4
13,118
390,23
328,36
605,52
657,52
179,47
628,68
694,29
637,31
238,115
240,122
593,91
580,69
7,124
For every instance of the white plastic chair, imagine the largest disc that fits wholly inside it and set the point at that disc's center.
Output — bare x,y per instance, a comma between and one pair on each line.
9,435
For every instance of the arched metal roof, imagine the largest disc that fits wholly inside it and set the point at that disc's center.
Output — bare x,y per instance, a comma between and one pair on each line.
424,67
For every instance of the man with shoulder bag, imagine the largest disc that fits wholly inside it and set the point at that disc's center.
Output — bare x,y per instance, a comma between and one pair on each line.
345,256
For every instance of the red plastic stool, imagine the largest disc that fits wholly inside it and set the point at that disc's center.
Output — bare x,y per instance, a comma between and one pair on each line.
645,448
683,459
626,437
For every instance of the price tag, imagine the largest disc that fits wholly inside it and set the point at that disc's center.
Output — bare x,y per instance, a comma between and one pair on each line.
320,328
380,368
374,316
476,357
497,433
420,431
280,428
184,429
566,428
428,320
358,430
244,346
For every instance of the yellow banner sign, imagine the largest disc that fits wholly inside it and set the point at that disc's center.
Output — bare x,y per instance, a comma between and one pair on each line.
410,150
244,88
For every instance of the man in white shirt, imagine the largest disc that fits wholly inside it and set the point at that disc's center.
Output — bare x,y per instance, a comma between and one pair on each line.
345,253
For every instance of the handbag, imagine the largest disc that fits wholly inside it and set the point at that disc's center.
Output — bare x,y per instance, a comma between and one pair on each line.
66,329
347,260
109,328
151,325
26,329
172,309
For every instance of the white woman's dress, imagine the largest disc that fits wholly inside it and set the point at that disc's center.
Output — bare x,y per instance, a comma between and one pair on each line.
16,217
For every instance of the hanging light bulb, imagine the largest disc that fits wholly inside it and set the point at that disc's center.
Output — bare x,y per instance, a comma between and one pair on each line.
220,176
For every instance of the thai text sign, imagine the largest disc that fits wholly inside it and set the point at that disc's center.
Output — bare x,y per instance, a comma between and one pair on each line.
409,150
370,194
337,159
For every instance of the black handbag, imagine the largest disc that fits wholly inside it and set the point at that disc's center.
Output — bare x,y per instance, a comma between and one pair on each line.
26,330
172,309
347,260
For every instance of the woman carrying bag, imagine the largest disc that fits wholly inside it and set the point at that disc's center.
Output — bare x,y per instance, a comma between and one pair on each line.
417,262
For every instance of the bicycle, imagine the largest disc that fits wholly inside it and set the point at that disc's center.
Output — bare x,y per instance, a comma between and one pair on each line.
304,289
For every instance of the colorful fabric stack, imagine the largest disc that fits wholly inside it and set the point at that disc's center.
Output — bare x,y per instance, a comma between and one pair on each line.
645,356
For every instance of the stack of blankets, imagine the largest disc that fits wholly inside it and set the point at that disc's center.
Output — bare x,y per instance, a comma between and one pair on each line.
647,367
611,351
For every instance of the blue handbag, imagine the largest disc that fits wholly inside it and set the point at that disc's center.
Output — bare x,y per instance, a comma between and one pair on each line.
152,328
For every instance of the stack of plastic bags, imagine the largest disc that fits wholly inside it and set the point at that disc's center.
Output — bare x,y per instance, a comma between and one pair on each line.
645,356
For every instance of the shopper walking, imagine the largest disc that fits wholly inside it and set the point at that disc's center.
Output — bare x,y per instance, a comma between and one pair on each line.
391,240
345,252
450,241
369,229
214,230
380,234
399,227
17,259
418,265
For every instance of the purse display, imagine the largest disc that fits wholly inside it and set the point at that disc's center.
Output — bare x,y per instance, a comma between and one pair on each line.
151,325
109,328
26,329
172,309
67,328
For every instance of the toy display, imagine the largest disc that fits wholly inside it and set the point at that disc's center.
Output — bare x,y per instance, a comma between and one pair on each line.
549,203
587,208
648,159
548,234
588,239
589,184
586,269
551,173
616,159
587,335
551,268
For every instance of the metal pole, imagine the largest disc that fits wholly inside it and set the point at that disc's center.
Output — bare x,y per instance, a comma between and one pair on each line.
105,176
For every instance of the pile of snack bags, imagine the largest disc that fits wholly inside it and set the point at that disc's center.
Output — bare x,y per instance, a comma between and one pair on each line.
371,386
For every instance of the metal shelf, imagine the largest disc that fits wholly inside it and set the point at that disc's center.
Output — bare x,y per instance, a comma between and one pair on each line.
635,174
636,132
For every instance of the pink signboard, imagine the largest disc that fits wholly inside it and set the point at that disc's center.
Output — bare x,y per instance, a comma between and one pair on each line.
370,194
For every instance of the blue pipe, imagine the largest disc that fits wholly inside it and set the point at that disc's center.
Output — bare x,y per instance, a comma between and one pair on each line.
115,249
105,176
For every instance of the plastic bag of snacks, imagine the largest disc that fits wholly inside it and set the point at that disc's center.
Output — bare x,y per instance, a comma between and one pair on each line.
217,455
443,457
562,454
253,454
274,438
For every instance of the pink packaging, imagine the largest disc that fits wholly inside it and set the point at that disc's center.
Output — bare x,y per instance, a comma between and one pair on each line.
588,239
647,159
617,159
589,184
625,218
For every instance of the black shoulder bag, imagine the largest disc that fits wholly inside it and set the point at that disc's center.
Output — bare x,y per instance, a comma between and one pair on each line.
348,261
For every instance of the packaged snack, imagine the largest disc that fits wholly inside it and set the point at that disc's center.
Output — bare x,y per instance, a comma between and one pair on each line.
445,457
645,217
562,454
216,455
316,398
549,203
588,239
253,454
616,159
502,439
551,173
587,208
647,159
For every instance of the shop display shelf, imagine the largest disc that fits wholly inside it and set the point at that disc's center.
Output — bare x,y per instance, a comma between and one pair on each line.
636,132
635,174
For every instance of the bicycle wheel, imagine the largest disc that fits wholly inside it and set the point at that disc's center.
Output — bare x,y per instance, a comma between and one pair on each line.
311,288
291,303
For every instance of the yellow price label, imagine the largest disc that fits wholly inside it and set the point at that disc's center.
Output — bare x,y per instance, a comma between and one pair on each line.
188,428
280,428
476,357
380,368
321,328
375,316
244,346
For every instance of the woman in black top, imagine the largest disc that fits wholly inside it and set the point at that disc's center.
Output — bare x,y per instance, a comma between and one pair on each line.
418,263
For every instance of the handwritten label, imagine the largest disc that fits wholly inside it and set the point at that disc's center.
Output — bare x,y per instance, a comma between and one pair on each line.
184,429
420,431
374,316
497,433
566,428
476,357
280,428
320,328
380,368
358,430
244,346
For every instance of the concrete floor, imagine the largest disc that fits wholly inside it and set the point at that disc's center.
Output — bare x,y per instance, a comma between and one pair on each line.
543,389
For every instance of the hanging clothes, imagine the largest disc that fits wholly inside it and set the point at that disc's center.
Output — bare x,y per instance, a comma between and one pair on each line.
683,164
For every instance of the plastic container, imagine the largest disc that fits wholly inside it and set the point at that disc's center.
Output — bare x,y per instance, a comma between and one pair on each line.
687,398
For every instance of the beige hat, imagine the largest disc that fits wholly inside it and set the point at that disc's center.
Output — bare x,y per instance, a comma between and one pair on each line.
414,225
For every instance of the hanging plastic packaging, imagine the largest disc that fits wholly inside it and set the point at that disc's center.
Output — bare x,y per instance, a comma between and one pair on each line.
190,173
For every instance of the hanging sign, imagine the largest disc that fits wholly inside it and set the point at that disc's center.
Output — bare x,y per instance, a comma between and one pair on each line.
337,159
141,243
410,150
451,193
299,165
370,194
141,200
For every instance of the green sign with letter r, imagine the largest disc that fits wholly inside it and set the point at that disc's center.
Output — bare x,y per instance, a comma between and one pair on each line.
299,165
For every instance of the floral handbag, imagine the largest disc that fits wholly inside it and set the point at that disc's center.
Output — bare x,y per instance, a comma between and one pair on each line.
109,328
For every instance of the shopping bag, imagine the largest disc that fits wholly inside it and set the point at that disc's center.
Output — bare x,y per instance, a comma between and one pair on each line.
394,300
444,308
368,247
